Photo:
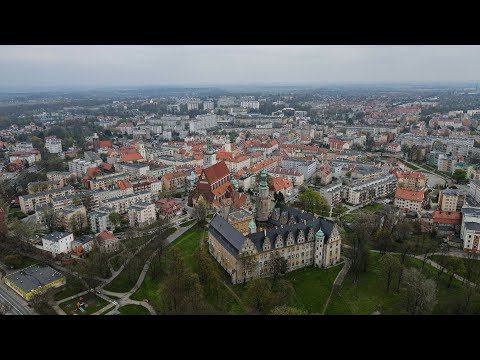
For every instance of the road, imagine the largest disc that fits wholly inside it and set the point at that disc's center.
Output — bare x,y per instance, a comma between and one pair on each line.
17,304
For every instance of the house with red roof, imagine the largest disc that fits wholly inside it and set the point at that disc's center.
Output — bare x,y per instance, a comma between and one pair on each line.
337,145
107,242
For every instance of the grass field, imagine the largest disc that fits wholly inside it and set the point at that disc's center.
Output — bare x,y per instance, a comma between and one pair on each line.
368,294
312,287
94,303
475,264
132,309
73,286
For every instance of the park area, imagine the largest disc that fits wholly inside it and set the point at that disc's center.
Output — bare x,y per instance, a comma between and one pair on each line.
132,309
368,294
93,304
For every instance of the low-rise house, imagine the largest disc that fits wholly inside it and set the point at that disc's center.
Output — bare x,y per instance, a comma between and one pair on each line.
57,243
34,280
168,208
107,242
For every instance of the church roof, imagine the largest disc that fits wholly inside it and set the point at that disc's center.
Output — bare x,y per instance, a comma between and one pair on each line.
216,172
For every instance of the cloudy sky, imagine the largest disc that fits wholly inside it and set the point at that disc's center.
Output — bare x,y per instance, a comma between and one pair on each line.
76,65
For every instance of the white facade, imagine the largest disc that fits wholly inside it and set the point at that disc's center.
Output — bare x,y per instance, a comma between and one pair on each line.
53,145
57,243
250,104
141,214
80,167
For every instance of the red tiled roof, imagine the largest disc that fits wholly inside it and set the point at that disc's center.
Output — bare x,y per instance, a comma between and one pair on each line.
131,156
105,143
105,235
407,194
280,184
216,172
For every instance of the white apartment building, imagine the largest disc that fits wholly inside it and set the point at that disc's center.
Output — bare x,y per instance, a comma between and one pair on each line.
134,170
57,243
474,190
80,167
141,214
208,105
53,145
250,104
294,176
332,193
366,192
105,181
470,230
99,219
122,203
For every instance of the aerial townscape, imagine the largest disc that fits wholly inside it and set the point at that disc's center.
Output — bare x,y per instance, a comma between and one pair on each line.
251,199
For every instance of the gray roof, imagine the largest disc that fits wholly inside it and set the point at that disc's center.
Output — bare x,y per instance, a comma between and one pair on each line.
55,236
232,239
48,192
472,211
472,226
33,277
83,239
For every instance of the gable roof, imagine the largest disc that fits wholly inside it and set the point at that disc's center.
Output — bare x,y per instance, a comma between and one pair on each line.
407,194
216,172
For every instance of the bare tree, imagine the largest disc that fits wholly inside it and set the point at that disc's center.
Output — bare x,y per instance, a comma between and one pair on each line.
390,265
48,217
420,293
4,308
278,267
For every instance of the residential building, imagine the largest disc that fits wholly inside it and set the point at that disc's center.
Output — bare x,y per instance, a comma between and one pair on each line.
408,199
366,192
80,167
28,203
294,176
53,145
307,168
474,190
106,181
122,203
141,214
72,218
470,230
168,208
410,179
57,243
299,237
250,104
174,181
34,280
451,200
332,193
107,242
99,219
393,147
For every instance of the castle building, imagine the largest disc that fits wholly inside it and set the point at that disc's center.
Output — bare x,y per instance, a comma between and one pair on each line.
299,237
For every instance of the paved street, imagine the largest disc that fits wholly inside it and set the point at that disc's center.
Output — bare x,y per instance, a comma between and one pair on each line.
17,304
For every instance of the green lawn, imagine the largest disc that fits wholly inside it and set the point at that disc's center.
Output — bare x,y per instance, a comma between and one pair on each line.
73,286
45,309
132,309
187,223
15,213
25,261
368,294
188,244
475,264
313,286
94,303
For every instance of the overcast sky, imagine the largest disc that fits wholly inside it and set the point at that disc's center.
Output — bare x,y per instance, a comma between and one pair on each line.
221,64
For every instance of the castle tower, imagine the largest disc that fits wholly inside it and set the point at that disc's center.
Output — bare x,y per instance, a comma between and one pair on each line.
252,227
319,244
264,203
141,149
228,146
210,158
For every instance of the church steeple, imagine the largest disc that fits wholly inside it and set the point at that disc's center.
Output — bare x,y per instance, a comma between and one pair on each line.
228,146
209,158
263,200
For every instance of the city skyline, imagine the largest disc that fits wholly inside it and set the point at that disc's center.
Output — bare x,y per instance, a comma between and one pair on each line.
203,65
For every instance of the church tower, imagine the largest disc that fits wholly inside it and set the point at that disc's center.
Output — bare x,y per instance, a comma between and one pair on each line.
228,145
319,242
264,203
209,158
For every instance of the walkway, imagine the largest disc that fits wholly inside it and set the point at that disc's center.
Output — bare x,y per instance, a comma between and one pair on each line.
338,281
